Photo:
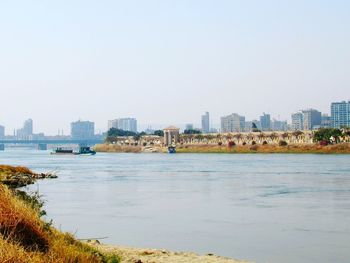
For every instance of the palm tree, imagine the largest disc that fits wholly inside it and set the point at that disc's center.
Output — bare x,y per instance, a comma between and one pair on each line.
273,136
249,137
238,136
297,134
261,136
285,135
199,137
209,137
218,137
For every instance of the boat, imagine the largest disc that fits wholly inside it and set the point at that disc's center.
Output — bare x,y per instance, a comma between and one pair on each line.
61,150
83,150
171,149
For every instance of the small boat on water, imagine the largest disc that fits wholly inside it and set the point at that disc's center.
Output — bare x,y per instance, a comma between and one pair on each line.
172,149
84,150
61,150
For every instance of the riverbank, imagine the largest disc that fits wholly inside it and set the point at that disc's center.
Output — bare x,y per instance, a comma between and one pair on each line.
21,176
132,255
128,148
342,148
26,237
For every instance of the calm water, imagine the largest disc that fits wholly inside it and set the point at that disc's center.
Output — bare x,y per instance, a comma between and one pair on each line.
266,208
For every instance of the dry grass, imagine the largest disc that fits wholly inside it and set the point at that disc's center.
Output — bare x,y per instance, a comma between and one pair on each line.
24,237
8,170
343,148
117,148
20,224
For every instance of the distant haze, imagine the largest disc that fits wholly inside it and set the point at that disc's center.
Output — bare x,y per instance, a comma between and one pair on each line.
167,62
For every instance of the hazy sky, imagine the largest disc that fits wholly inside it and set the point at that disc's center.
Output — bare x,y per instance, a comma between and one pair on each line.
166,62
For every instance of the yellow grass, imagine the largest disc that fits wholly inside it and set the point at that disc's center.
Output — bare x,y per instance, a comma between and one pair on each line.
24,237
8,170
117,148
343,148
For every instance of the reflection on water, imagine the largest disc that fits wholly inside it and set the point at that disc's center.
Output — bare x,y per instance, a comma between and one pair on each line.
267,208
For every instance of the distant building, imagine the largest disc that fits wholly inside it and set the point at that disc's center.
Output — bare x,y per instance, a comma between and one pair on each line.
232,123
311,118
38,136
171,135
2,131
265,122
297,121
205,123
248,126
326,121
277,125
340,114
189,126
82,130
149,130
125,124
27,131
112,124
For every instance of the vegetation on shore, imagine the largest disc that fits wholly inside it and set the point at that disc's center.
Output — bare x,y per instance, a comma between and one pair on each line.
117,148
282,147
341,148
324,140
26,237
20,176
113,134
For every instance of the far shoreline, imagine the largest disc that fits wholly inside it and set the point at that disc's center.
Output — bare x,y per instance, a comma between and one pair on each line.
341,148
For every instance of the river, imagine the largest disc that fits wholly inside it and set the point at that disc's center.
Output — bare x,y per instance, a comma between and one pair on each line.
259,207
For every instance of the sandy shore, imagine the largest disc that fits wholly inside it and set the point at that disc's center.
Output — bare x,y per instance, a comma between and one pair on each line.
141,255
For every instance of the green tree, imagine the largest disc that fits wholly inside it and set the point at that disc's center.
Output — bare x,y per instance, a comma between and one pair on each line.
113,132
159,133
192,131
326,134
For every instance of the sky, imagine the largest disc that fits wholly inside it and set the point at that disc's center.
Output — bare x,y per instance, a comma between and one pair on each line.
167,62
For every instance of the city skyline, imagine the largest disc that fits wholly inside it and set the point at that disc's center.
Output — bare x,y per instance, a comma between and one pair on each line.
85,60
304,119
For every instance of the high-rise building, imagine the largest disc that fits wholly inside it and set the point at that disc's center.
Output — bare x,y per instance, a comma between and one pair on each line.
326,121
248,126
205,123
112,124
27,131
297,121
125,124
277,125
340,114
311,118
2,131
82,130
265,122
232,123
189,126
257,124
